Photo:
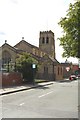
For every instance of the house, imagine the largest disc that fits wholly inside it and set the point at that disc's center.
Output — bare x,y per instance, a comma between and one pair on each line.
50,68
70,68
67,69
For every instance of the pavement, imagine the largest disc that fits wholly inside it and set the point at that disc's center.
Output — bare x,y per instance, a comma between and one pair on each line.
12,89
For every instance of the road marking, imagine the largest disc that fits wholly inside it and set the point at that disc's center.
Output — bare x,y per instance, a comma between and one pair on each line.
21,104
45,94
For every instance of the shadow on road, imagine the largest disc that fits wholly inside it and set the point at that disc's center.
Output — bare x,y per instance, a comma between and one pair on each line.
42,87
66,81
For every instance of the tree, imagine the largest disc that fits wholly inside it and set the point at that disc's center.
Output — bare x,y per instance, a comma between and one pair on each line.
70,41
24,65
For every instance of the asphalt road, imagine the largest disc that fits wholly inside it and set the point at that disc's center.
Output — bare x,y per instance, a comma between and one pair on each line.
59,100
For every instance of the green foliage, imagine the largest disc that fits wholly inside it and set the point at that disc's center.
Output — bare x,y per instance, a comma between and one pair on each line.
26,57
71,31
24,65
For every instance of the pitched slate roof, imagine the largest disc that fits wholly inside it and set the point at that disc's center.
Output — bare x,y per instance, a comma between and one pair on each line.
47,57
7,45
23,41
15,49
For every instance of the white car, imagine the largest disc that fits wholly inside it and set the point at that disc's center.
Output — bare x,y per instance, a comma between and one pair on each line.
72,77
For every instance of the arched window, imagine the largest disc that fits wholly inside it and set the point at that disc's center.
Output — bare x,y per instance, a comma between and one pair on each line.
61,70
47,39
45,70
43,40
6,57
58,70
34,51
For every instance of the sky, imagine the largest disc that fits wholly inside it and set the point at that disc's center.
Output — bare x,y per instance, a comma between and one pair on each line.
26,18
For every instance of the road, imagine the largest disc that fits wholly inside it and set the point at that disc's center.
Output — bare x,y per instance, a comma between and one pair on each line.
59,100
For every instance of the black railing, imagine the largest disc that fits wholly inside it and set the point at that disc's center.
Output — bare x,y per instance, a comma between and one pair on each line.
8,67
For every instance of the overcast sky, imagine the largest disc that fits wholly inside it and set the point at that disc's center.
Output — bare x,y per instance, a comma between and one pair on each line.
26,18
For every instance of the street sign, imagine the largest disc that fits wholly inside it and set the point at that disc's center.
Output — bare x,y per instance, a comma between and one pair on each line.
67,68
76,72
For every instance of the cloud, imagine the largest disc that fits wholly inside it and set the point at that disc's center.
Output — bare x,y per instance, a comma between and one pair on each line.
2,33
14,1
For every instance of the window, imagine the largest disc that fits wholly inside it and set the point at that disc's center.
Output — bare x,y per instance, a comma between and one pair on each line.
6,57
47,40
34,52
46,70
43,40
61,70
58,70
41,54
37,52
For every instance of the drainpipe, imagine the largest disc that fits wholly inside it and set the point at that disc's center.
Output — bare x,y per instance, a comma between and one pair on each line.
53,72
79,64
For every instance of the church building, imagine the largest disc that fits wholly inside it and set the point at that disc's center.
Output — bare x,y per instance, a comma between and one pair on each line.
50,68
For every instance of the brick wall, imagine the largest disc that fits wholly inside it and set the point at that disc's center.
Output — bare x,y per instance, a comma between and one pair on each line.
58,70
11,79
0,80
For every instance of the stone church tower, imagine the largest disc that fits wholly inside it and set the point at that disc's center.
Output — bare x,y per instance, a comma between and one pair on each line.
47,42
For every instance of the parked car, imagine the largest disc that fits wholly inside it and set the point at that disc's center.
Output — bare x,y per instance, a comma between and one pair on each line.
78,76
72,77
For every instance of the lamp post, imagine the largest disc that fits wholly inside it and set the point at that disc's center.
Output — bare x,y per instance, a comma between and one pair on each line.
15,66
33,70
79,63
8,65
